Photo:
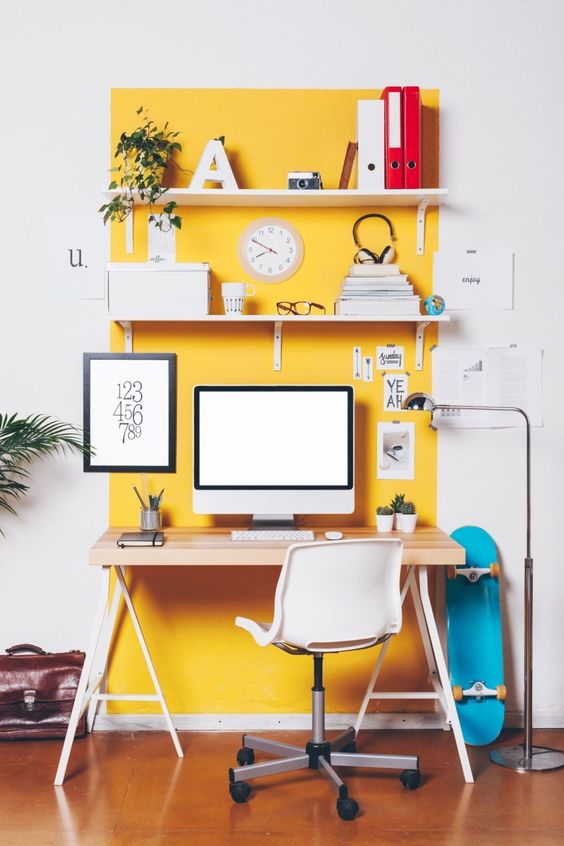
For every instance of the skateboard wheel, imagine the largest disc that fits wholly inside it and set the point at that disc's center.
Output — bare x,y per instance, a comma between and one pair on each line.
501,692
457,693
451,572
494,571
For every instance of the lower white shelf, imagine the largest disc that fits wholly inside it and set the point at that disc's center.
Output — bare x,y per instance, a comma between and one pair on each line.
421,322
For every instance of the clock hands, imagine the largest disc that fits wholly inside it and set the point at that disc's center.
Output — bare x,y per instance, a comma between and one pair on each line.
269,249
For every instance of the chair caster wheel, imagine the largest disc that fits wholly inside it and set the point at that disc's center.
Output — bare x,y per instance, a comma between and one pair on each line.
245,756
411,779
350,747
347,808
240,791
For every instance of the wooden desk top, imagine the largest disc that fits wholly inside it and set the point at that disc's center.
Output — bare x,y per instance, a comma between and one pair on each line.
428,545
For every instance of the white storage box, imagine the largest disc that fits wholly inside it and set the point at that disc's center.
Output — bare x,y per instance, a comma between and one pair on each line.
147,292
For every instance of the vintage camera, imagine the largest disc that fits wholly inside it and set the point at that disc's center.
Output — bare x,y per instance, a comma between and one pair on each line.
304,180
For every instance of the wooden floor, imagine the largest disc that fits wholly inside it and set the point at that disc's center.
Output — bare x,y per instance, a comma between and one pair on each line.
131,790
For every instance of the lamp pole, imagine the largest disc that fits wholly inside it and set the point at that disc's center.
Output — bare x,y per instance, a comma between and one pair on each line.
525,757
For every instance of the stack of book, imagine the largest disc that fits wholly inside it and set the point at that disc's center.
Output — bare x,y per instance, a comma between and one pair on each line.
377,289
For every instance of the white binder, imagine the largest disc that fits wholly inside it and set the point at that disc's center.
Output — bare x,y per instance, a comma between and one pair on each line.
370,137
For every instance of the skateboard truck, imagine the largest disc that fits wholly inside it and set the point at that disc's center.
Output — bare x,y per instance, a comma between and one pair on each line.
474,573
479,690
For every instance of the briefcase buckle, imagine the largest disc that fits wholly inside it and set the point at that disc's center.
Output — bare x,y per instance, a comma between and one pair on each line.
29,697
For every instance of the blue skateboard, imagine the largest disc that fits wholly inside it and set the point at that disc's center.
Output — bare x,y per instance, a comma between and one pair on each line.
475,637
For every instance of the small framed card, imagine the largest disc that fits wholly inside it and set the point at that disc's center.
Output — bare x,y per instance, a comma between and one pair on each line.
130,412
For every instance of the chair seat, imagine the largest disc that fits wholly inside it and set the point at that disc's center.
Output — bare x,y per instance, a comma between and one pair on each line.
265,636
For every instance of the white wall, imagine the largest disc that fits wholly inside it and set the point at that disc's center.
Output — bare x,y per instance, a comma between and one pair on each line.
499,66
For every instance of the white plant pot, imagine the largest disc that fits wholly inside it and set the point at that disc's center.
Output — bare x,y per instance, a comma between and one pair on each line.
384,522
407,522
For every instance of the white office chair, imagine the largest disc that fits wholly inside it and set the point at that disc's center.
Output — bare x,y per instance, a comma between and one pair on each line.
330,597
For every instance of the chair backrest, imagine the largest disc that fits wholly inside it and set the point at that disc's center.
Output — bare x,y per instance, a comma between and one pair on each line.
336,596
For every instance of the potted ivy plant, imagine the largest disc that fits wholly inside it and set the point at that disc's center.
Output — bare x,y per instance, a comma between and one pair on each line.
384,518
396,505
144,155
22,440
407,517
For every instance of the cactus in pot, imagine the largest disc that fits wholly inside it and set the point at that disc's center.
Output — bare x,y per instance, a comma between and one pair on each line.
407,517
396,505
384,518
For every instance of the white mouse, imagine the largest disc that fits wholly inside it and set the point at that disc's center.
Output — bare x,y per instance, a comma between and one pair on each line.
333,535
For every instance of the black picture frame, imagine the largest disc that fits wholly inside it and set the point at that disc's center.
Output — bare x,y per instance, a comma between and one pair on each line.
129,423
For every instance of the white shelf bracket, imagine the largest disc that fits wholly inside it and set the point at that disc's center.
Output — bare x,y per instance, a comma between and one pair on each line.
129,232
419,339
127,327
278,345
421,209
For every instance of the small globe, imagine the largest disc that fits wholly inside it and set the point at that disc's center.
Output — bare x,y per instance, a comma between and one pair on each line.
434,304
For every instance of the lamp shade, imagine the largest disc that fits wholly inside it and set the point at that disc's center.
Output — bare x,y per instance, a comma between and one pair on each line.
419,402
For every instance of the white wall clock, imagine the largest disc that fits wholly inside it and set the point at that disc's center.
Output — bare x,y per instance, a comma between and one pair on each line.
270,249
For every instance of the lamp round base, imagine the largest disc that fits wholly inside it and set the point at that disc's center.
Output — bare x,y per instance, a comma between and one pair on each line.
542,758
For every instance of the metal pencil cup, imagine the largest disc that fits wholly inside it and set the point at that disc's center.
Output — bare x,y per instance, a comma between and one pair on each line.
150,519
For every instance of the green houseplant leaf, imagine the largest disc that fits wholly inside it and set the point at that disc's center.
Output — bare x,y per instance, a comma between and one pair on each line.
144,155
22,441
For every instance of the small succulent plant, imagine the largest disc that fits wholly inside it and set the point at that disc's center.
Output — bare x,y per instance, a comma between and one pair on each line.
407,508
397,503
386,510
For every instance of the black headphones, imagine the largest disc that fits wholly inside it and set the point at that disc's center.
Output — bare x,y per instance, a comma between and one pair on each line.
366,256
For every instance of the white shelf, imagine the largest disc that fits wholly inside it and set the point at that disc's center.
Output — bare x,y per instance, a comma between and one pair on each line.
284,198
419,198
321,318
421,322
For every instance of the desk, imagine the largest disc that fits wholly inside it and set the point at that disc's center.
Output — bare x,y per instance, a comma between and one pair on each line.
426,547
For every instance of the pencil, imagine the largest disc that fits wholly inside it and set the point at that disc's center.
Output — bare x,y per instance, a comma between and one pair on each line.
139,497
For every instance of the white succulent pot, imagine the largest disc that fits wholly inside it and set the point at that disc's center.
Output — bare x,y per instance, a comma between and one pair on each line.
384,522
407,522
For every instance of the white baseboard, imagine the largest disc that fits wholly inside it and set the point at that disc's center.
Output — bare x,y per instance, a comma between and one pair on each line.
261,722
297,722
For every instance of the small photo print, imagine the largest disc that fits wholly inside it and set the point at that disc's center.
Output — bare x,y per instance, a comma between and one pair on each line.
396,451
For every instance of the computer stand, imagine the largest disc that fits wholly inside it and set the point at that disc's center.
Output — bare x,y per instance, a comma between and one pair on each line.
274,521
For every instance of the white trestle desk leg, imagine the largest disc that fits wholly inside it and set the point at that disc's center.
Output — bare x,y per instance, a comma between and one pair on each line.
427,646
80,699
376,672
99,667
452,714
144,649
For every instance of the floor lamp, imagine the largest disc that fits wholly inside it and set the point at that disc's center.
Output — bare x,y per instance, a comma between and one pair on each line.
525,757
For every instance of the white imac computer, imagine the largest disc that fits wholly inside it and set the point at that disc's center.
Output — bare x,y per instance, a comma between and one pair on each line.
273,451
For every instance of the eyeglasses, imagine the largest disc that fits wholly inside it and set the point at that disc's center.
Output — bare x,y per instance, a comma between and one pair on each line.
301,307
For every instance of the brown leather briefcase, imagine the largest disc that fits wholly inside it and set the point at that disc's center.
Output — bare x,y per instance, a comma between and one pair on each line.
37,692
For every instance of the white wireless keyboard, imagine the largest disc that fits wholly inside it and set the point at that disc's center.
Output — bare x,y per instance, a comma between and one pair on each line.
272,535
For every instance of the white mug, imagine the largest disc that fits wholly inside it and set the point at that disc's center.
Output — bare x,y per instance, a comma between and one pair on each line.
234,294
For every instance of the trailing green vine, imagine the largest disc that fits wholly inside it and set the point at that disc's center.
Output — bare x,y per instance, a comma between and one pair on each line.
145,153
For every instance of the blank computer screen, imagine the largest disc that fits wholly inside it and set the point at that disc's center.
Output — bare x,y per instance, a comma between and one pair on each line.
273,438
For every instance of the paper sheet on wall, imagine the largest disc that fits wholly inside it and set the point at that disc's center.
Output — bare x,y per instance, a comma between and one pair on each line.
500,376
474,279
395,450
161,244
395,390
75,247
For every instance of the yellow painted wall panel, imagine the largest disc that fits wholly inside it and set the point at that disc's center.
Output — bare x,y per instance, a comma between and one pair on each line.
205,664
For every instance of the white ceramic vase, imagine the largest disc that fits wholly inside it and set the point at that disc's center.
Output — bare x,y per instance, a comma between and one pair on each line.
384,522
407,522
